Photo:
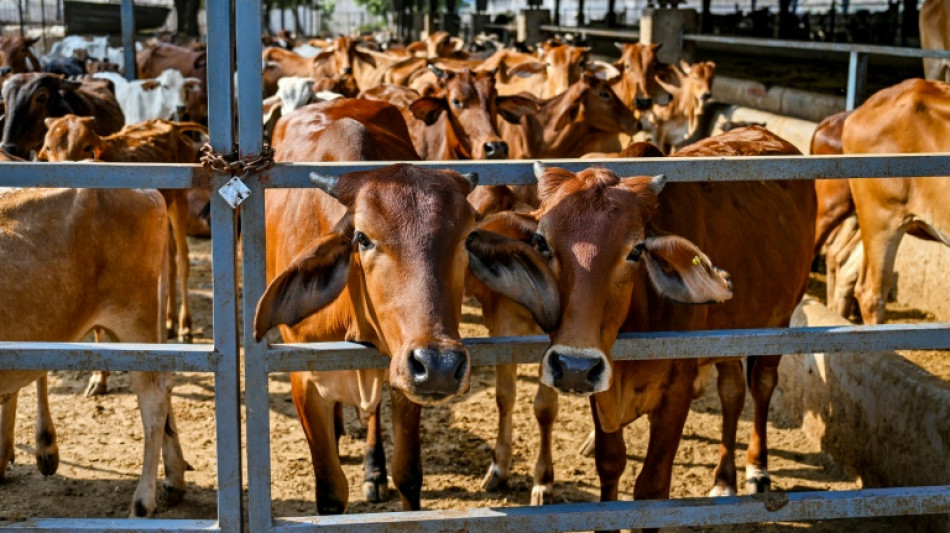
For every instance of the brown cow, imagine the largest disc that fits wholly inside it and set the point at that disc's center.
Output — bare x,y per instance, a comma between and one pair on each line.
439,44
910,117
595,233
17,56
31,98
935,35
109,240
458,120
73,138
332,256
557,67
637,86
280,63
154,60
676,122
586,118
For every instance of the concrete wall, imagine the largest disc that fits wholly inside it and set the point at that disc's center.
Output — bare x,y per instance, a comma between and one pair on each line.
922,280
785,101
880,416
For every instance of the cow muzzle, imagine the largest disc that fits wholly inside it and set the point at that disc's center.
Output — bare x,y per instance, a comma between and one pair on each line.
643,104
435,374
346,71
496,150
576,371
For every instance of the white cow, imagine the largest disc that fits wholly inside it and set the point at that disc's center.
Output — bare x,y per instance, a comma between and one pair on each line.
95,47
162,97
292,92
75,260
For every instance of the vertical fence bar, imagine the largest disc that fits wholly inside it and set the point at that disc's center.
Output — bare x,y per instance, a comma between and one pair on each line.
857,79
248,23
227,393
128,38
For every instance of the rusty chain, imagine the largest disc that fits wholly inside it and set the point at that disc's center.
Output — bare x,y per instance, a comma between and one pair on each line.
230,164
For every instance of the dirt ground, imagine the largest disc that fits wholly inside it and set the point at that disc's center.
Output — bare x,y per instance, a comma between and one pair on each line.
101,444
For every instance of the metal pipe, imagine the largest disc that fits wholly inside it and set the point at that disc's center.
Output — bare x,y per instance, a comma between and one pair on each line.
843,48
857,79
78,356
128,38
103,175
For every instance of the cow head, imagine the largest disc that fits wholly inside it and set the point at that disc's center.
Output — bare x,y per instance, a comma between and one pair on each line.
692,84
592,237
70,138
470,102
29,99
398,256
196,100
16,54
591,101
637,64
563,65
171,86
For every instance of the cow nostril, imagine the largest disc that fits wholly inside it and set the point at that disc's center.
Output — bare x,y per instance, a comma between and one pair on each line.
644,103
496,150
416,366
557,368
596,372
347,70
706,96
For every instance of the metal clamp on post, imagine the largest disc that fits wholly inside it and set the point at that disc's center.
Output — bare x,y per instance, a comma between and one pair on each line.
235,191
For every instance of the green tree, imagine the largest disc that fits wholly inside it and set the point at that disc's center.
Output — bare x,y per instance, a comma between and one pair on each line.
376,8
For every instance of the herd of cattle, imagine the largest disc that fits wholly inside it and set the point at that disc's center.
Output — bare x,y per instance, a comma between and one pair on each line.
387,256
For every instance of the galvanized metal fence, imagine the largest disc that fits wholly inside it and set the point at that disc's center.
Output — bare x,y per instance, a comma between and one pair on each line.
260,359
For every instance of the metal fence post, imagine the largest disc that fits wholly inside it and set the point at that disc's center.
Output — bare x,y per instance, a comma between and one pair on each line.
227,384
128,38
248,22
857,79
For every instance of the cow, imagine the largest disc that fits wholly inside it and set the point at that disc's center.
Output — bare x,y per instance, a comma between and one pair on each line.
588,117
332,256
73,138
935,35
31,98
17,55
279,63
605,255
457,121
112,240
152,61
637,86
556,67
675,123
79,46
163,97
910,117
439,44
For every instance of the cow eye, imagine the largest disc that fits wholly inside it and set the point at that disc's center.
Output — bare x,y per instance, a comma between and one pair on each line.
636,252
363,241
605,95
456,103
42,98
539,242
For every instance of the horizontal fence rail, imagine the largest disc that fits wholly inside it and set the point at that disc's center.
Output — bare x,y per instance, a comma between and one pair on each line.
68,525
104,175
597,32
846,48
84,356
639,346
775,507
677,169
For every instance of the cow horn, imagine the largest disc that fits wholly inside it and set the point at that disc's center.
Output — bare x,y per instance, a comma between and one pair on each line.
619,45
471,178
439,73
538,169
325,183
657,182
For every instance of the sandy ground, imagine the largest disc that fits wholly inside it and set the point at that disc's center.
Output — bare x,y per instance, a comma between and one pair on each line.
101,444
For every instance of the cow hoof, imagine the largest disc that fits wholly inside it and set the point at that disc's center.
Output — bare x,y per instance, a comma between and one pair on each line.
96,387
141,510
542,495
47,463
720,491
494,480
587,449
172,332
375,491
173,496
757,480
185,337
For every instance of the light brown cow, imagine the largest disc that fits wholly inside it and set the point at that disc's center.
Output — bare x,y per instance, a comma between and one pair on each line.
17,56
332,256
72,138
637,86
281,63
588,117
595,233
676,122
935,35
109,239
438,44
557,67
910,117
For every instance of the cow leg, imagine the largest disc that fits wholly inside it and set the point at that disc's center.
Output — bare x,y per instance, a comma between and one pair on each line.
880,250
375,482
7,433
171,311
172,456
545,411
47,452
610,456
316,417
731,385
150,389
338,425
506,377
407,462
763,377
178,217
99,380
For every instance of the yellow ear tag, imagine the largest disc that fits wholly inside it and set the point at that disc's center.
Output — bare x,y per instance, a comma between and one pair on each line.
696,260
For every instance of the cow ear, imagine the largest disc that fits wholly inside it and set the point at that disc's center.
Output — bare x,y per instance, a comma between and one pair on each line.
515,270
512,108
681,272
427,109
49,121
150,85
32,41
314,280
201,61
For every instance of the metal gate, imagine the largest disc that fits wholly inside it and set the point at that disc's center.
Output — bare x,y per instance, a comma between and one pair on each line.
261,359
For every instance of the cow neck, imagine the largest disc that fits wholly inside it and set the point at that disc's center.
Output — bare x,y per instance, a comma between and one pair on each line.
558,141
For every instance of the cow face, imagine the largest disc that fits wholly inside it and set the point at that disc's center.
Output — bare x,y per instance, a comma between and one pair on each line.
399,255
471,102
591,101
637,64
16,54
171,85
592,238
70,138
29,100
563,65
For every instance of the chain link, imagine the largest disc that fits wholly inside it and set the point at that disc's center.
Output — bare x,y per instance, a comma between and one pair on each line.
229,163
